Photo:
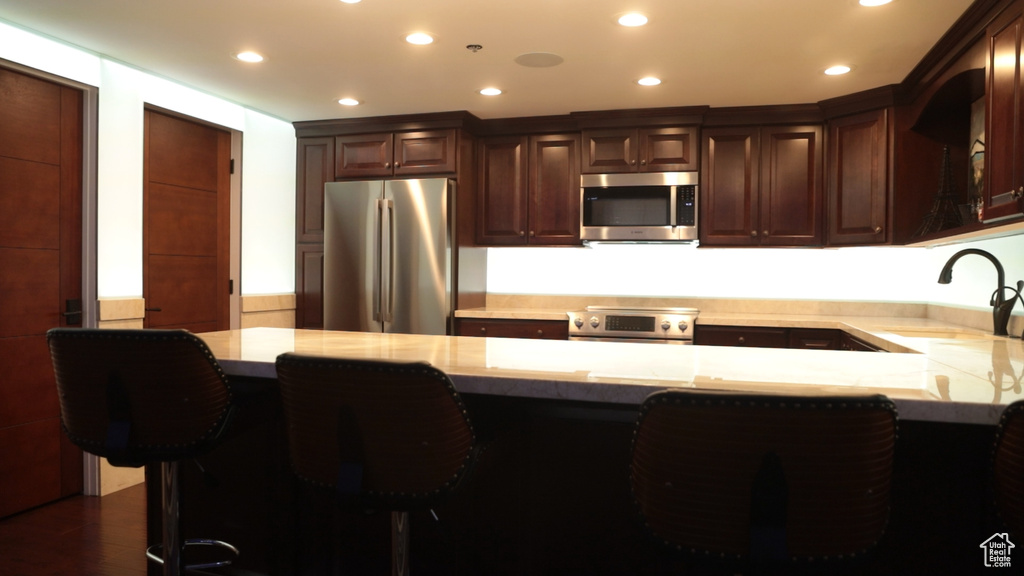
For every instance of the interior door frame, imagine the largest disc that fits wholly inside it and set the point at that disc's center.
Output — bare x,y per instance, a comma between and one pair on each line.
90,195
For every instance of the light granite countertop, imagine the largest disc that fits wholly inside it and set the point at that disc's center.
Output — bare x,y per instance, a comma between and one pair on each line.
938,371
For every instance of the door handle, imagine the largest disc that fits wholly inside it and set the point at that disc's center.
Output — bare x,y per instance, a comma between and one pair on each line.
72,312
392,266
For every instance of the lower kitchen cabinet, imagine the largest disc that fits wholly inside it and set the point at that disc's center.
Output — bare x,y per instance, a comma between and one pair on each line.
537,329
765,337
756,337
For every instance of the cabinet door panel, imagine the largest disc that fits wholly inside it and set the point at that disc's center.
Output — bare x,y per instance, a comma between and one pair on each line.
536,329
607,151
791,186
858,191
315,168
668,149
502,204
554,213
309,279
730,174
363,155
1004,130
424,152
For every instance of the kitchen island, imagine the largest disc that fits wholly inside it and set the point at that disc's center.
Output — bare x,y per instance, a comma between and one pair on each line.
549,494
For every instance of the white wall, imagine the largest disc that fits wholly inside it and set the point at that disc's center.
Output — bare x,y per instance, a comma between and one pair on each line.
268,161
858,274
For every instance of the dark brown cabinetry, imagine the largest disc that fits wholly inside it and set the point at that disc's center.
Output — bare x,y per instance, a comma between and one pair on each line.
538,329
761,186
671,149
1004,121
858,179
395,154
755,337
765,337
529,190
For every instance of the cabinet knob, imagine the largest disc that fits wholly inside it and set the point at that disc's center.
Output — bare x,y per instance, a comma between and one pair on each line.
764,233
483,330
532,234
878,229
1018,193
632,162
643,162
387,164
521,233
753,233
742,340
540,333
398,164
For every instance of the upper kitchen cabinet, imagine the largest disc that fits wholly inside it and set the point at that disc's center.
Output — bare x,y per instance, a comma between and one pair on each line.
858,179
671,149
1004,123
395,154
761,186
529,190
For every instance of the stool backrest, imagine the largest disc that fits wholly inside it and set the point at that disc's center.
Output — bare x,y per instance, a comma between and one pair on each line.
760,477
1008,468
396,434
138,396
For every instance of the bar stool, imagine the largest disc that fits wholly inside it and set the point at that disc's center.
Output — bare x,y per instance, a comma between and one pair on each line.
137,397
762,480
1008,468
382,435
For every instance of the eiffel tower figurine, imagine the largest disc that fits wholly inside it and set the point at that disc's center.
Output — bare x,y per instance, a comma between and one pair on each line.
944,213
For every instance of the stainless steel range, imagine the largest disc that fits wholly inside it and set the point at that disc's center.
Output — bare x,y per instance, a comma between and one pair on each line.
656,325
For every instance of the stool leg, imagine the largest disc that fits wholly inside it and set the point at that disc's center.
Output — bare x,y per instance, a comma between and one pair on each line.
171,496
399,544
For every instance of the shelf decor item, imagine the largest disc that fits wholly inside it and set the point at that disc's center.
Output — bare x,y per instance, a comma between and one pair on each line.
944,213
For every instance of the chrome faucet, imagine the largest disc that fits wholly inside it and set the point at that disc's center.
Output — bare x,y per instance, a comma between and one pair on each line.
1001,307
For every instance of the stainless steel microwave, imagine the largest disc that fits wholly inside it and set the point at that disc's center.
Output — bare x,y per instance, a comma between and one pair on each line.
643,207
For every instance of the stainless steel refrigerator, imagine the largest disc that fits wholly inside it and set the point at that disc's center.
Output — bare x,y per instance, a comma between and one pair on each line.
388,256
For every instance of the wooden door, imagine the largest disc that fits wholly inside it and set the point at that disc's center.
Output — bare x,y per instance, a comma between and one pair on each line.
554,213
1004,121
186,202
791,186
502,206
729,191
40,256
858,183
610,150
668,149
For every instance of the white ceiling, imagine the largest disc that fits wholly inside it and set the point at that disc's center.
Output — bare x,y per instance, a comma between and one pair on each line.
708,52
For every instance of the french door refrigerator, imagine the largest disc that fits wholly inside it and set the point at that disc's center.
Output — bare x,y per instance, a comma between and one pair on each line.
388,256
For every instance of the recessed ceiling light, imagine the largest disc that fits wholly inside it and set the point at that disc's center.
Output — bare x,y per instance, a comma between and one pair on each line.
649,81
837,70
874,2
249,56
348,102
420,38
351,1
490,91
633,19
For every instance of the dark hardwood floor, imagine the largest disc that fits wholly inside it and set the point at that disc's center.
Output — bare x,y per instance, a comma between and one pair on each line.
80,535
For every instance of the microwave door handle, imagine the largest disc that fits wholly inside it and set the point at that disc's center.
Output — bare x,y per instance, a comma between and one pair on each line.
673,207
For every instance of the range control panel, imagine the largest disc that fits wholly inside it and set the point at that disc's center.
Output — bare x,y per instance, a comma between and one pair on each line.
647,323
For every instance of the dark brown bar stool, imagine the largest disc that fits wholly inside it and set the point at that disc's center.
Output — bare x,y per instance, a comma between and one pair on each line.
382,435
137,397
762,480
1008,468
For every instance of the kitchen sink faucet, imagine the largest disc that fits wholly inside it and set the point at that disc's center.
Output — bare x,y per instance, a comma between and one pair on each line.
1001,307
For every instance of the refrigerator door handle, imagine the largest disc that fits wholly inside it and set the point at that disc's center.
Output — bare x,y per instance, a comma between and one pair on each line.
378,261
389,296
